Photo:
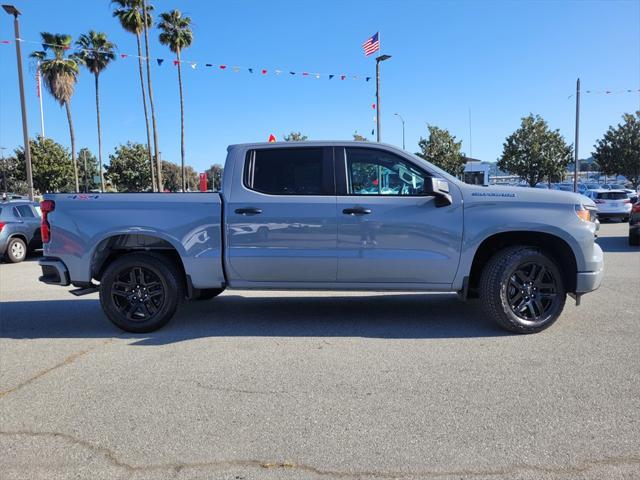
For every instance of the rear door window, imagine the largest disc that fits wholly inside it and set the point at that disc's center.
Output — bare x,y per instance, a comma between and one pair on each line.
290,171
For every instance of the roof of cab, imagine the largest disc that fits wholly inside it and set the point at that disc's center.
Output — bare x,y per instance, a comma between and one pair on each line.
310,143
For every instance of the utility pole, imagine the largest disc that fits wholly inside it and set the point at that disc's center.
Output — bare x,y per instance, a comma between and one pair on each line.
11,10
39,77
379,59
576,163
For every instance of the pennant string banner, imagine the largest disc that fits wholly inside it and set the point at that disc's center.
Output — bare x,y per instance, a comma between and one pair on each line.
605,92
193,64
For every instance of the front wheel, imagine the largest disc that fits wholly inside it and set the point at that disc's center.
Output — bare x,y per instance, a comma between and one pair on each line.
140,292
522,290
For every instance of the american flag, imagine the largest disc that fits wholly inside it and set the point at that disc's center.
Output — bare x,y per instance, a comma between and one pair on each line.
372,44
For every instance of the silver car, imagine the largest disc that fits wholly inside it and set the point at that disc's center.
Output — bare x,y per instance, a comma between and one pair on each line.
19,229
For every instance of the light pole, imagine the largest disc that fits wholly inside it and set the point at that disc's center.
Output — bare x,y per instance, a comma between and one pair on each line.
379,59
576,161
11,10
402,120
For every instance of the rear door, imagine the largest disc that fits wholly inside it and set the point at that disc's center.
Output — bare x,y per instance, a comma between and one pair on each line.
388,231
281,217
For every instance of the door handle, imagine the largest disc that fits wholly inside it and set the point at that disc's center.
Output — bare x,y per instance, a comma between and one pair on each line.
357,211
248,211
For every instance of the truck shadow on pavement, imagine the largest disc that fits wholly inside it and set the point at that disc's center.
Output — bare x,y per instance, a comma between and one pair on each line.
389,316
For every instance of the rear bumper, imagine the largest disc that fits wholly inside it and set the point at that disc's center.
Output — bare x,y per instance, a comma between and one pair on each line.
613,214
590,281
54,272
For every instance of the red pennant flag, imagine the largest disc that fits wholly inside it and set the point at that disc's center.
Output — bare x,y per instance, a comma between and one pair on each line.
5,42
342,77
175,63
373,105
222,67
123,55
272,138
305,74
264,72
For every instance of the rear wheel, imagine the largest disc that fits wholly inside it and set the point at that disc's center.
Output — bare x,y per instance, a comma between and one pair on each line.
634,237
16,250
140,292
522,290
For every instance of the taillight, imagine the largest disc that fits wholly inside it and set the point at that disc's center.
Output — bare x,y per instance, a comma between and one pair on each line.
626,200
1,226
46,207
634,209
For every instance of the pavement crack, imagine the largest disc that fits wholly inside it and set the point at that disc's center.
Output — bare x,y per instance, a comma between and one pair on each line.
240,390
67,361
177,467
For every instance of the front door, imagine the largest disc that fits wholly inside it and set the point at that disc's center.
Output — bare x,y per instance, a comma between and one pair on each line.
281,220
389,232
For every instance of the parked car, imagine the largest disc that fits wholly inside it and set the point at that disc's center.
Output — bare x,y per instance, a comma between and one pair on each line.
611,203
634,224
345,216
19,229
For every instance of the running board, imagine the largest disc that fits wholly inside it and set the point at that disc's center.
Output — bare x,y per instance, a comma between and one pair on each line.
78,292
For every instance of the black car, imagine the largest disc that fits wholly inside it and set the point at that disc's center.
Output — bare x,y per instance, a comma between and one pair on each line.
19,229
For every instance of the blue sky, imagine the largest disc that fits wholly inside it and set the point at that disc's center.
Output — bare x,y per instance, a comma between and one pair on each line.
500,59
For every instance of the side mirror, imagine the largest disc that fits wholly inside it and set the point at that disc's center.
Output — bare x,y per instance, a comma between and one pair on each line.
438,188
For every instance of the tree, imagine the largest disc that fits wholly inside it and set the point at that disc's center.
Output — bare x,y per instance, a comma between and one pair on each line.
51,166
533,152
88,170
442,150
173,178
295,137
60,74
177,35
214,176
359,138
96,52
131,16
145,27
618,152
128,170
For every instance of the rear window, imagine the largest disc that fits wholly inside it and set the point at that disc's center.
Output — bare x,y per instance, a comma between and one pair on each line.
287,171
612,195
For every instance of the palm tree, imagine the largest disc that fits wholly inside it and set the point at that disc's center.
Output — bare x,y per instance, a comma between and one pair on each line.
177,35
156,153
96,52
60,74
131,17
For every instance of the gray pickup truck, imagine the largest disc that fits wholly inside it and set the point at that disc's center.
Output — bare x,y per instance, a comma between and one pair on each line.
325,216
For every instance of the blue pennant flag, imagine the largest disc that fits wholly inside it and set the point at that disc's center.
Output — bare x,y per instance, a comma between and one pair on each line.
45,47
331,76
251,70
368,78
159,60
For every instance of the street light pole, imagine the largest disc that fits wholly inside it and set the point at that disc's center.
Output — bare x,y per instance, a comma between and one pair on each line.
11,10
379,59
402,120
576,163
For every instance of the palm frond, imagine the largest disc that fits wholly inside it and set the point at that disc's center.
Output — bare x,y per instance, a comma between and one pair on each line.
176,30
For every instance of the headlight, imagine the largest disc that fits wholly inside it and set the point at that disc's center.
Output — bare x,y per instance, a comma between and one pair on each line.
585,214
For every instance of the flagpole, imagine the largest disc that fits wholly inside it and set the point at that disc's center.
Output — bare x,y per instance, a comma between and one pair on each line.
40,99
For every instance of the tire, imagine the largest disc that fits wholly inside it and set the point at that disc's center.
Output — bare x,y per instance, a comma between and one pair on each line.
16,250
139,293
207,293
537,301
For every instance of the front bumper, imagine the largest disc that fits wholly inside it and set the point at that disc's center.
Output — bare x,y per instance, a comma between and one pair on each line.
590,281
54,272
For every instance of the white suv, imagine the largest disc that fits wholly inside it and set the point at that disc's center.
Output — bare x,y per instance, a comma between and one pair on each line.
611,203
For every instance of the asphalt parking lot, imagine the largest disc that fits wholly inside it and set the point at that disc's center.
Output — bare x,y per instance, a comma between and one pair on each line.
282,385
